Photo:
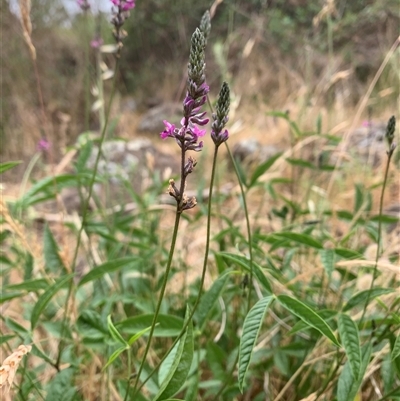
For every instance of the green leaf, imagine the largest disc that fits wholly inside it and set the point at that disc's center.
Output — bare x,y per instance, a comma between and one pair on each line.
178,367
325,314
306,314
251,329
29,285
115,333
16,327
262,168
90,324
301,163
350,339
61,386
45,298
392,395
4,297
348,386
359,197
50,186
303,239
51,255
136,336
348,253
245,263
114,356
107,267
168,325
362,297
209,299
8,165
84,154
5,338
396,348
328,260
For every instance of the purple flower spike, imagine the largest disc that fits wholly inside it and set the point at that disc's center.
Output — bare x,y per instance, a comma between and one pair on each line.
220,116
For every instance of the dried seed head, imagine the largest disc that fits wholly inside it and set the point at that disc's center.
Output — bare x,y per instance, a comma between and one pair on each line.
10,366
25,7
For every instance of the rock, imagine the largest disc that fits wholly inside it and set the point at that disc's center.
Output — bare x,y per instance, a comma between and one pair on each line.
152,121
367,143
250,150
124,167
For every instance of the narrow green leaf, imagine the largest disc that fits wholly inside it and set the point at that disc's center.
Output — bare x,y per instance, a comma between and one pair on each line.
346,253
303,239
8,165
300,163
396,348
4,297
114,356
168,325
350,339
51,255
325,314
392,395
305,313
107,267
45,298
328,260
50,185
16,327
359,197
209,299
361,297
251,329
115,333
245,263
29,285
346,383
262,168
5,338
136,336
179,368
348,386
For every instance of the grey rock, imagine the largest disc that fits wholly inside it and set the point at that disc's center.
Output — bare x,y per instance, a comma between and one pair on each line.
152,121
250,150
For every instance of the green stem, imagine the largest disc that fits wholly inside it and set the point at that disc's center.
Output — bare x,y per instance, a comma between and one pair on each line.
85,214
160,298
203,274
375,270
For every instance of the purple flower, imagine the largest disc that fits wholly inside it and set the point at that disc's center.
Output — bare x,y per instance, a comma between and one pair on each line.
124,5
188,135
96,43
169,131
83,4
43,145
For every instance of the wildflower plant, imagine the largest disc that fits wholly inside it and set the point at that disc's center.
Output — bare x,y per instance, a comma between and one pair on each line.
187,137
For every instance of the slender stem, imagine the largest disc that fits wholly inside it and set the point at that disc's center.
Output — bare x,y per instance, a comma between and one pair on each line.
85,210
374,273
203,274
161,296
246,213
